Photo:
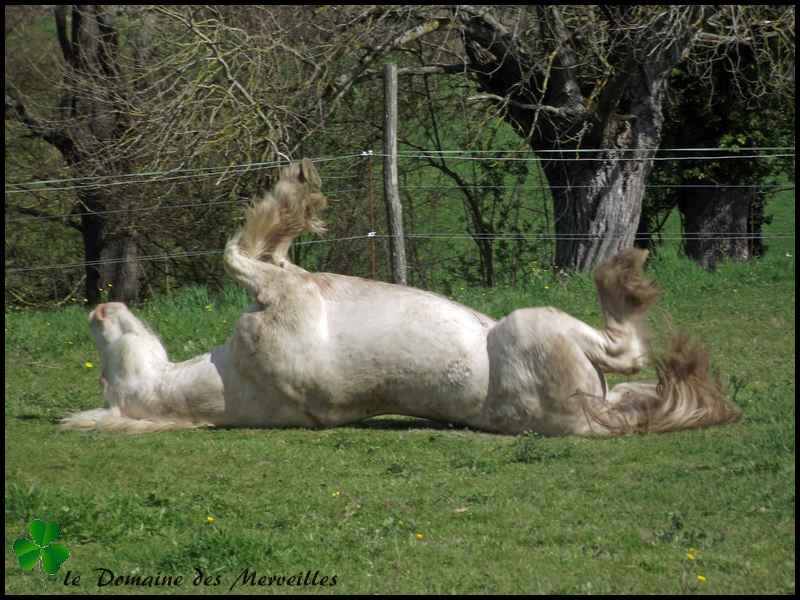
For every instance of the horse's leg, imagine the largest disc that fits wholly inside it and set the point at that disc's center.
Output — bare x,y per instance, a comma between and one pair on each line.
546,364
540,375
547,368
625,295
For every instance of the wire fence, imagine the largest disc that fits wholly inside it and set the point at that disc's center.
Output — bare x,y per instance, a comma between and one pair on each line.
105,181
41,188
337,193
99,181
409,236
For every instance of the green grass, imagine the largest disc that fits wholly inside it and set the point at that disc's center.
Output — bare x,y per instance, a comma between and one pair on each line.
403,505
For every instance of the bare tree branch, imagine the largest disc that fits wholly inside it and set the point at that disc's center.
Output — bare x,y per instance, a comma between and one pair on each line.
452,69
346,81
553,110
55,136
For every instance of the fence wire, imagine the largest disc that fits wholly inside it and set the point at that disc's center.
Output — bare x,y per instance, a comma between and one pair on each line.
182,174
334,194
414,236
178,174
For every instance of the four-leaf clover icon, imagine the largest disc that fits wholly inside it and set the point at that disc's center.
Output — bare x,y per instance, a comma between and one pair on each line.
29,551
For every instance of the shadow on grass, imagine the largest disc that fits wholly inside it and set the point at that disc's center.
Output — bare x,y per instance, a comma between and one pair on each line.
39,418
399,423
382,423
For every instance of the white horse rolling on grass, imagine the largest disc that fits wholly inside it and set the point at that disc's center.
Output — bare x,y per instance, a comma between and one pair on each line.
320,350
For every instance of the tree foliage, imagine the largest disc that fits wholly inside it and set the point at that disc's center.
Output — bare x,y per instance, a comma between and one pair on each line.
740,97
200,102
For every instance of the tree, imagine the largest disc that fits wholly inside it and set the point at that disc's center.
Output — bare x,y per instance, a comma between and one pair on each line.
86,121
219,93
208,99
739,98
570,78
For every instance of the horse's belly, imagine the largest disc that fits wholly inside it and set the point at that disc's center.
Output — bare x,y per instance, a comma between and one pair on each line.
406,360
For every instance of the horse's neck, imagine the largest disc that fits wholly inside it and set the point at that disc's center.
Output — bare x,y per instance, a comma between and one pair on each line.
196,384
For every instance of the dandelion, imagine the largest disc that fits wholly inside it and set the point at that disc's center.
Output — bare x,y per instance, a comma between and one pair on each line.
210,520
419,536
701,579
88,365
692,554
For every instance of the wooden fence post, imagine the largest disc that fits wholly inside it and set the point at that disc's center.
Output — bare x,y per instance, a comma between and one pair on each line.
394,209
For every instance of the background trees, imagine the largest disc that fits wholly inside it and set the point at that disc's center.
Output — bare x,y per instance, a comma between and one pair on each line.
740,97
199,103
84,120
569,78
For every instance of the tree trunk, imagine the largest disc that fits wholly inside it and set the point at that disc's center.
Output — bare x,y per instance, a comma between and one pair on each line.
597,200
123,272
486,254
91,86
111,258
718,224
597,206
92,233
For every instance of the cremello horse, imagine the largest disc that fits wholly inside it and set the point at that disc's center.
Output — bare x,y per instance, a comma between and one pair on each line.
320,350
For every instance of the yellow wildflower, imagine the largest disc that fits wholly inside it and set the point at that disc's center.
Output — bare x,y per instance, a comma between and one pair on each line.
210,520
701,578
88,365
419,536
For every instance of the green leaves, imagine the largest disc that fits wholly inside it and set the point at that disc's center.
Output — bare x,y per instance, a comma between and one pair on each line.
41,546
27,552
43,532
53,557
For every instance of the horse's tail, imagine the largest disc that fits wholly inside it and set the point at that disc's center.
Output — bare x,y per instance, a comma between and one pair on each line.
111,420
687,396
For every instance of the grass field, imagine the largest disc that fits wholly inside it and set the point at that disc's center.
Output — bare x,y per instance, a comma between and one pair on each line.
403,505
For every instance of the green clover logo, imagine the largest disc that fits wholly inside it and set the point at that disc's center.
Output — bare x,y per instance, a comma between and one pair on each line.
40,546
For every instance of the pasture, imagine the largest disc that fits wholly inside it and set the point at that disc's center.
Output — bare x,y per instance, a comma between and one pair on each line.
404,505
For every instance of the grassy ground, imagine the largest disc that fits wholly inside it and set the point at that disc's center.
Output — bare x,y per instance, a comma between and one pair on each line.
401,505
